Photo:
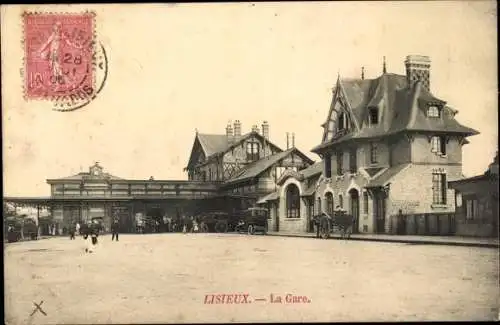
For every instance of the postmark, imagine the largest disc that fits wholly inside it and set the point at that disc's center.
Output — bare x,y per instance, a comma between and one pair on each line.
64,62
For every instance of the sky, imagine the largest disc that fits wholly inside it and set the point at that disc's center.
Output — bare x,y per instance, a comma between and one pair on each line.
174,68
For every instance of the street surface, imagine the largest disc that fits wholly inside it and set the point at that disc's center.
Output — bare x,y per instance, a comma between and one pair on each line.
176,278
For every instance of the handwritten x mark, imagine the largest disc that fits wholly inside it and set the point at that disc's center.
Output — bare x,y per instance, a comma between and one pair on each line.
38,308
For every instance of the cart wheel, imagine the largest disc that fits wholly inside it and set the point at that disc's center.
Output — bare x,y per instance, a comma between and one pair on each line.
251,230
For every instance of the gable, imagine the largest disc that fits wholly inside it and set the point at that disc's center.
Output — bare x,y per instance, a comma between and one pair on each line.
197,154
340,119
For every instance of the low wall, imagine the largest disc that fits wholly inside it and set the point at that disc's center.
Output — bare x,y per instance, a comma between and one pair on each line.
425,224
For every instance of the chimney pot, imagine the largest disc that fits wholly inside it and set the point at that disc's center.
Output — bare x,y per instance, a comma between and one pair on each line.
229,133
237,129
418,69
265,130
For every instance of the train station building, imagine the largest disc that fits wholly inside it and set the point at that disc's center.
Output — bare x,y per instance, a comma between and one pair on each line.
389,149
226,172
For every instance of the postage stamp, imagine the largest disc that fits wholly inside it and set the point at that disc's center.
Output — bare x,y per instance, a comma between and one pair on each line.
61,56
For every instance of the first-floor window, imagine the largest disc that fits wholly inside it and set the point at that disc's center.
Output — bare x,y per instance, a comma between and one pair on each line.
471,209
373,153
318,210
341,201
365,202
438,145
328,166
329,203
439,188
340,168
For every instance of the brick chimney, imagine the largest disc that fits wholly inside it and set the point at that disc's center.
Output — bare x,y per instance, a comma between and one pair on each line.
237,129
265,130
255,128
229,133
418,69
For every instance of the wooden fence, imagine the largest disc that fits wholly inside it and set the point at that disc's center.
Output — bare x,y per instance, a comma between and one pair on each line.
427,224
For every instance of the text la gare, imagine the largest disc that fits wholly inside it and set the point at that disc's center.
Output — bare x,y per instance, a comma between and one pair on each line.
288,299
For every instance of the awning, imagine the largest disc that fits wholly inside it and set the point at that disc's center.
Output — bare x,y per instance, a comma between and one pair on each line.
385,178
270,197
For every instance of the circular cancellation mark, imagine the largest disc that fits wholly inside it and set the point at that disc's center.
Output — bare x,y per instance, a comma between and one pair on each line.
82,94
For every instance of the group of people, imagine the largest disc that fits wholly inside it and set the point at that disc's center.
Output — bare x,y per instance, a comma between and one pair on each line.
90,232
317,219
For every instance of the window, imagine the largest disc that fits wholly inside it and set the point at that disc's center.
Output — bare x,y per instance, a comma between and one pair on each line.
340,169
252,151
341,201
433,111
292,201
373,116
438,145
329,203
328,166
365,202
319,206
353,166
471,211
373,153
341,121
439,188
209,174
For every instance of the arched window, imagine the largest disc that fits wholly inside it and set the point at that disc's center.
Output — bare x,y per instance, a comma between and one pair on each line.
319,206
292,201
329,203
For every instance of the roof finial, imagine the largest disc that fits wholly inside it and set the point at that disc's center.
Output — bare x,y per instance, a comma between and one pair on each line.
362,73
196,131
384,68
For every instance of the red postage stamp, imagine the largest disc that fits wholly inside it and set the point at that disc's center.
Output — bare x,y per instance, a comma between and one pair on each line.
59,50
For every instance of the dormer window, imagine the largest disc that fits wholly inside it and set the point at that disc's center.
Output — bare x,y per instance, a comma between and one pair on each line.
433,111
373,116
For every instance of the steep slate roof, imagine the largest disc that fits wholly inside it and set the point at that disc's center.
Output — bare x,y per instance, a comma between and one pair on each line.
256,168
401,108
214,144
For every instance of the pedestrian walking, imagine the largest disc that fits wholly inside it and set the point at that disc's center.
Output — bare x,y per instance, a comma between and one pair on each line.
72,231
77,228
115,227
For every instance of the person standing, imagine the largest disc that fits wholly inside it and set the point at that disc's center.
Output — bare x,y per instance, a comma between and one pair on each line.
77,228
72,231
115,227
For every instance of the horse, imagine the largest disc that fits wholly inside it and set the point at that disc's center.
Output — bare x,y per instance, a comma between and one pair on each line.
343,221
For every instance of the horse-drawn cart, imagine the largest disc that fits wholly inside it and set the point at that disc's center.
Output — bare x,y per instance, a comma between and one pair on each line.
340,221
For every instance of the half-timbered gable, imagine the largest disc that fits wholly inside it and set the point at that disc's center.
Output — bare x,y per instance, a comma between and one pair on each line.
264,174
218,157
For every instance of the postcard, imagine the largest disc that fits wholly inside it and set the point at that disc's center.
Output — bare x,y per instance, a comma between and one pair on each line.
250,162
